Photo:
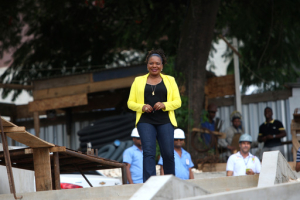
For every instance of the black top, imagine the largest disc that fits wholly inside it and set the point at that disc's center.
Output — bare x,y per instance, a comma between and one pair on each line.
272,128
160,95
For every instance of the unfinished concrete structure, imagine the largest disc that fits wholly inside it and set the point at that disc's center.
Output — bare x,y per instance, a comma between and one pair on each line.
169,187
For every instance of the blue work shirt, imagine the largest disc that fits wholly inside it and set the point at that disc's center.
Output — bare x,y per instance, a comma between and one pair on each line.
134,156
209,126
182,164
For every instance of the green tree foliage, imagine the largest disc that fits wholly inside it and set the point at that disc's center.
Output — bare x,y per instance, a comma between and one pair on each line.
268,34
75,36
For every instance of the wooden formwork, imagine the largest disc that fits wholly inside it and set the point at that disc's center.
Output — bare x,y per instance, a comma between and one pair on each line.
46,159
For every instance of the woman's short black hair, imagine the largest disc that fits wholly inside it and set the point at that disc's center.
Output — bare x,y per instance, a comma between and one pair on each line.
159,52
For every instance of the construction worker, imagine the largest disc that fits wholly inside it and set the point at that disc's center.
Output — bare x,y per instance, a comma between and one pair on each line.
133,157
298,161
210,124
243,162
233,134
183,161
271,132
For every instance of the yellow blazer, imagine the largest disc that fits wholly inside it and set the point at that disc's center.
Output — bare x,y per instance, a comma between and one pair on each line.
136,96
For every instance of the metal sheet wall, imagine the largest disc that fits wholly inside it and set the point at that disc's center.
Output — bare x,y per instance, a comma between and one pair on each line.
252,117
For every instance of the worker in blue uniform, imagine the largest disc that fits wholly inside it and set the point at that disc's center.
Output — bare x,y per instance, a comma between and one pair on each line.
133,157
183,161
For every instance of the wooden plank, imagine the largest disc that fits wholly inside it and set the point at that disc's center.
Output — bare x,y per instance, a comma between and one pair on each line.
219,134
29,139
267,96
56,171
36,121
254,98
51,149
14,129
6,123
219,167
16,86
60,102
220,86
213,167
62,81
84,88
42,169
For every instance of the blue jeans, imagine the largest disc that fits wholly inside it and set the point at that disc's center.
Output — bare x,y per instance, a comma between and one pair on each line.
164,133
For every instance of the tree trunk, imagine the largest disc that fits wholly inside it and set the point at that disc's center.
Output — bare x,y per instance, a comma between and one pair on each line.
194,46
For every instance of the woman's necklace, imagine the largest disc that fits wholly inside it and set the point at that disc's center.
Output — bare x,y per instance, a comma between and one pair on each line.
153,90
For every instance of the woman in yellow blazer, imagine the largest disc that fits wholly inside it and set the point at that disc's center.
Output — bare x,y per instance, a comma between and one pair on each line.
154,97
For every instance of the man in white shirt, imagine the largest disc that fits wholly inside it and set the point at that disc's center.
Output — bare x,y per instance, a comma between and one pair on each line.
243,162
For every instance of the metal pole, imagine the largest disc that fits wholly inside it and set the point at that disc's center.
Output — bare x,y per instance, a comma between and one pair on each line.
238,101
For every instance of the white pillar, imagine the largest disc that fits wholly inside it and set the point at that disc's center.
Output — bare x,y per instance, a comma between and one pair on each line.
238,101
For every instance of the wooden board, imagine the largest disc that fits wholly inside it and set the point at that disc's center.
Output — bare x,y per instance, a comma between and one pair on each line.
62,81
219,134
42,169
83,88
51,149
254,98
220,86
7,129
219,167
6,123
60,102
29,139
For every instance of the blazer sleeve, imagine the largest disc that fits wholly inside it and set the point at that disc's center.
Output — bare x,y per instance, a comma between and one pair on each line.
132,100
175,98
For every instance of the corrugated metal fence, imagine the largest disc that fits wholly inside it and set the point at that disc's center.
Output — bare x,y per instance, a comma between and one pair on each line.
253,116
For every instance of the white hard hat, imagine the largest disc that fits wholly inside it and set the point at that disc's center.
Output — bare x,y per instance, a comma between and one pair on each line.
179,134
245,138
135,133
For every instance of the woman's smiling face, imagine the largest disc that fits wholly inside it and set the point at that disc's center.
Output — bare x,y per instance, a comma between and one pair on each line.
154,65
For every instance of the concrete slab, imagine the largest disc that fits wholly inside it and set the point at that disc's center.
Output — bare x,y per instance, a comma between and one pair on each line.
223,184
288,191
118,192
167,187
275,169
122,192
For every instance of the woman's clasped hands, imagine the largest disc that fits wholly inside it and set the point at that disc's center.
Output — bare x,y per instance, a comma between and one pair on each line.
148,109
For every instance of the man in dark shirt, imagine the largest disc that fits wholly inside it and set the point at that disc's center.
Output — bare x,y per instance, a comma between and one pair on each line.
210,124
271,132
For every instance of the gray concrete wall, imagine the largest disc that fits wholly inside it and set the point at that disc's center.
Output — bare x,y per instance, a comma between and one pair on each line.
24,179
167,187
284,191
122,192
223,184
118,192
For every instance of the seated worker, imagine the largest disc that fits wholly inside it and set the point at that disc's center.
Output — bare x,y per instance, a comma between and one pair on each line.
234,131
183,161
271,132
210,124
243,162
133,157
298,161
